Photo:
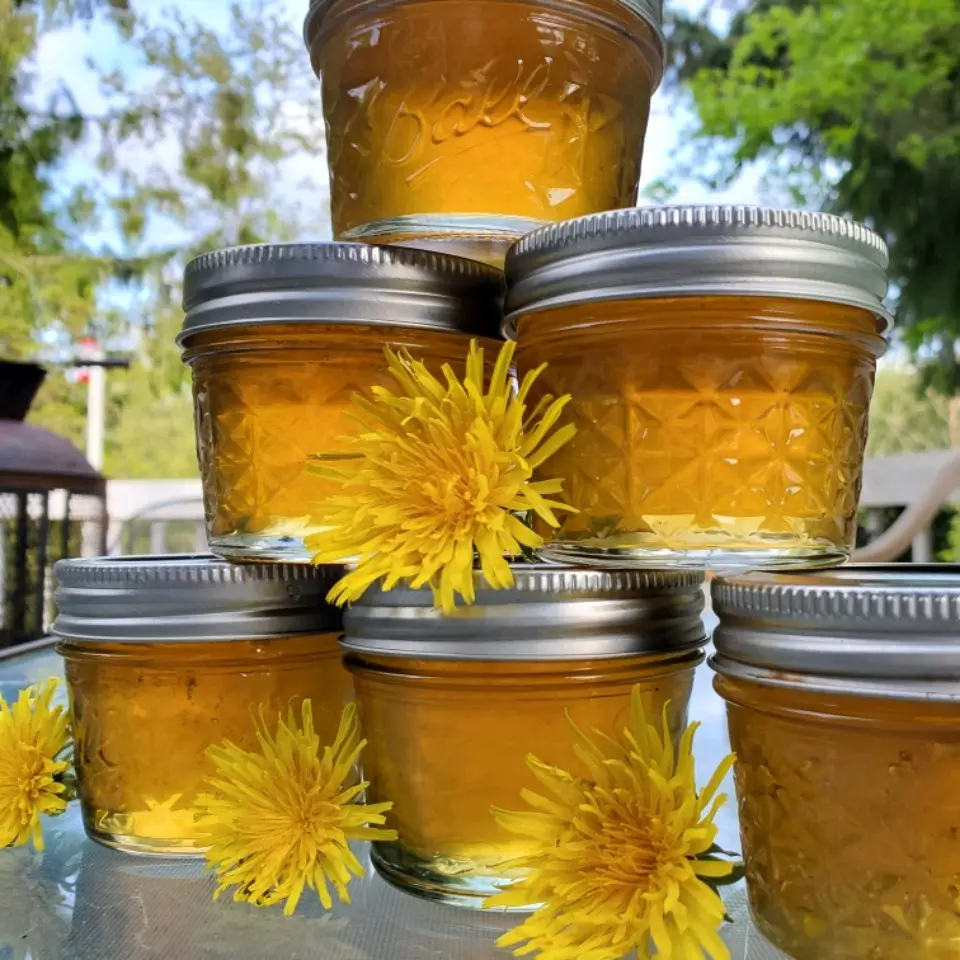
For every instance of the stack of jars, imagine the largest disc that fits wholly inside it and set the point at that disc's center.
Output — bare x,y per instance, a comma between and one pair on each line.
720,363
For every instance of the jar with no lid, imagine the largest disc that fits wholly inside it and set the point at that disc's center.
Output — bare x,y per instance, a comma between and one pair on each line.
465,124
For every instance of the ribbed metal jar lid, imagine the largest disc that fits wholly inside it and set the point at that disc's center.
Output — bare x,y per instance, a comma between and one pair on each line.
651,11
874,630
340,283
551,613
186,598
697,251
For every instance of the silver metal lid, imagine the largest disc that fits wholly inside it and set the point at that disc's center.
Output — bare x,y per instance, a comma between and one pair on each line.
697,251
340,283
551,613
871,630
186,598
651,11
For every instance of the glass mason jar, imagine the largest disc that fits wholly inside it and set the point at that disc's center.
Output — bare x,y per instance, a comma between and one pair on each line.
843,700
452,706
464,124
167,655
279,338
720,362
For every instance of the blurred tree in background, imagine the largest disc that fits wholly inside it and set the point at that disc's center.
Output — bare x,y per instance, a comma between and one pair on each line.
851,106
206,130
902,418
193,142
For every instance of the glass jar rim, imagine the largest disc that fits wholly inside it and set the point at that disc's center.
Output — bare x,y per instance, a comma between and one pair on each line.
880,630
336,282
552,612
649,11
180,598
669,252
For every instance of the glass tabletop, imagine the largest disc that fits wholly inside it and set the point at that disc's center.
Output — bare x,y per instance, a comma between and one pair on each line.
81,901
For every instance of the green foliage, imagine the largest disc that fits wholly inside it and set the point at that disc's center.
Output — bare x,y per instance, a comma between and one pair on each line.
853,105
188,152
150,430
35,268
951,549
905,418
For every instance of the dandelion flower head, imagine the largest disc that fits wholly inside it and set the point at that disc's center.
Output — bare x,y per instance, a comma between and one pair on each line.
34,735
440,472
623,861
279,820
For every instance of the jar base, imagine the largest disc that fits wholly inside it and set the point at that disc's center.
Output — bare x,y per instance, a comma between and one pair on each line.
255,548
709,558
144,846
442,880
812,949
482,237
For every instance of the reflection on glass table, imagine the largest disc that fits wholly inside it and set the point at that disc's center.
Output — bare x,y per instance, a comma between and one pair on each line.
81,901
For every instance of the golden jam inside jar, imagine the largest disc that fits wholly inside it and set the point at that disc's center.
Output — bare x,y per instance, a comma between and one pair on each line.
448,739
850,821
711,431
481,118
144,713
270,396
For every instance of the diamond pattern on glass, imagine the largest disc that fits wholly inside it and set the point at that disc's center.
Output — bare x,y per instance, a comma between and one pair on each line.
689,439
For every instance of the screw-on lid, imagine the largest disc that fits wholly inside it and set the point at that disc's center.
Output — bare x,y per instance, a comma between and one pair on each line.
551,613
185,598
340,283
650,11
871,630
697,251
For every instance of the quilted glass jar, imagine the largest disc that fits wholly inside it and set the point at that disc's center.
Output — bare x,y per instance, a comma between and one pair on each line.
720,363
464,124
279,338
843,701
452,706
166,656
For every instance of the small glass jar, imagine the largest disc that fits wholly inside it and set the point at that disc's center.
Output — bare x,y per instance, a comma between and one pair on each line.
720,362
279,338
168,655
452,706
843,700
464,124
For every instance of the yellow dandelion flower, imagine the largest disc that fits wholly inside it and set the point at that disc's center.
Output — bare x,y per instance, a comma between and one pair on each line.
280,820
33,774
624,861
438,475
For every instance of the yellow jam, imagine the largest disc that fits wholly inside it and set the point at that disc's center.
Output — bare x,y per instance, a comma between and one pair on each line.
526,110
710,431
850,822
449,739
144,713
270,396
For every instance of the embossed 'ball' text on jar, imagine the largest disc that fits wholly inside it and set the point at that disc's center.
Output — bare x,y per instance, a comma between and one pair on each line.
720,362
279,338
166,656
453,705
843,702
464,124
